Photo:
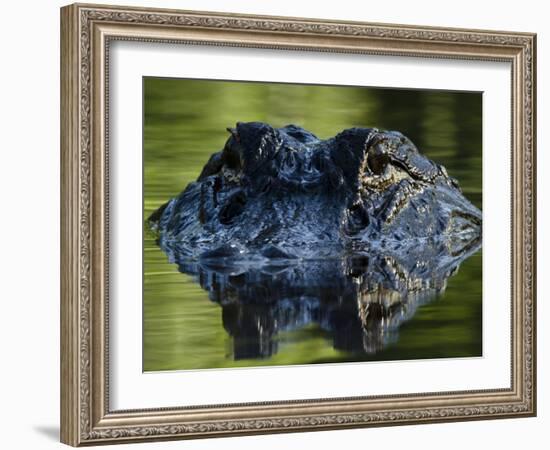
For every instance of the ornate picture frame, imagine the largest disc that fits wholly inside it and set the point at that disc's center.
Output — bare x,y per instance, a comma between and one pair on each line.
87,31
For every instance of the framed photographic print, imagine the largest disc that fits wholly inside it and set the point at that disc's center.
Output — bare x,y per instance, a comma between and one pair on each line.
281,224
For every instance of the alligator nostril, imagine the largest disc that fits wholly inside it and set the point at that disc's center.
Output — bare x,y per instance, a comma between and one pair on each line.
234,206
358,218
215,189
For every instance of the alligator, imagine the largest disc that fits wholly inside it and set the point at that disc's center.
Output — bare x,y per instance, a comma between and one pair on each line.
351,234
283,193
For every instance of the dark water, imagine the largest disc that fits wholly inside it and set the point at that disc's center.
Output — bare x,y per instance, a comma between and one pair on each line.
189,322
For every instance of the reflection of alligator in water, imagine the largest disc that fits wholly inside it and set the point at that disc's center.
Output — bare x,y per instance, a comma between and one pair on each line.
358,301
351,233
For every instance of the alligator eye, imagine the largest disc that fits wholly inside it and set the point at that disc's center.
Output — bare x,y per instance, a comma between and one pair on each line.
234,133
377,160
232,153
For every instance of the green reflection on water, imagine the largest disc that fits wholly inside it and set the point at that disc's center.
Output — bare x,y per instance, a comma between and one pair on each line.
185,122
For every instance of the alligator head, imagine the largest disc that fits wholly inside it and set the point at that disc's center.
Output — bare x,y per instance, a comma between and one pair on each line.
284,193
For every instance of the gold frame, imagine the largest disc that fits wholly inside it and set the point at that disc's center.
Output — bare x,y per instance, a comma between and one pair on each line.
86,31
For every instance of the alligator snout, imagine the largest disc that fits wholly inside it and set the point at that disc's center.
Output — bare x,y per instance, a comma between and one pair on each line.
299,196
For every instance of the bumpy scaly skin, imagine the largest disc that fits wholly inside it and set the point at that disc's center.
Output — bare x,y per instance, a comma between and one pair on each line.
284,193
